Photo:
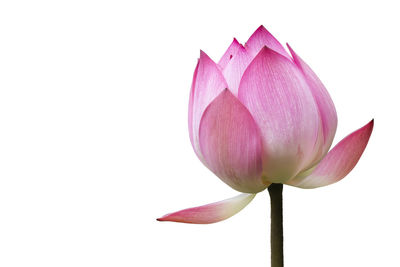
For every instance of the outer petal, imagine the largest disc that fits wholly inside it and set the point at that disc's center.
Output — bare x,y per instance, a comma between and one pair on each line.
210,213
233,71
231,145
325,105
230,52
260,38
339,161
208,82
191,103
277,96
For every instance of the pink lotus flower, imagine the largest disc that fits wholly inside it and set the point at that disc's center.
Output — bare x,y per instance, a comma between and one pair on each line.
262,116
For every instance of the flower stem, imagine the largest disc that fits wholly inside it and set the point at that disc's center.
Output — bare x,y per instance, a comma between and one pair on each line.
275,193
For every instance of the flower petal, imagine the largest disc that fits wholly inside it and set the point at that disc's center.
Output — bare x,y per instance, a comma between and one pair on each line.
210,213
231,145
324,102
338,162
233,71
208,82
230,52
278,98
191,102
260,38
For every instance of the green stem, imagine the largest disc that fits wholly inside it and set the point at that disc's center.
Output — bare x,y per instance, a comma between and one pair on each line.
275,193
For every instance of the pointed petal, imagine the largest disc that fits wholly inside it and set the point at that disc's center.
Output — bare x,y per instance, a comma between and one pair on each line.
233,71
230,52
260,38
210,213
208,82
277,96
324,102
339,161
231,145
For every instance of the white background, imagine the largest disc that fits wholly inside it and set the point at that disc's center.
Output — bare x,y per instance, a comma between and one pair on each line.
94,143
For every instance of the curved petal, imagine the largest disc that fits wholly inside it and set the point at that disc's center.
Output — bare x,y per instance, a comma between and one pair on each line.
260,38
230,52
208,82
233,71
231,145
210,213
338,162
277,96
325,105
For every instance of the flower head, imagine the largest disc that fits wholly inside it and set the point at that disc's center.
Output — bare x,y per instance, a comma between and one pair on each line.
262,116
